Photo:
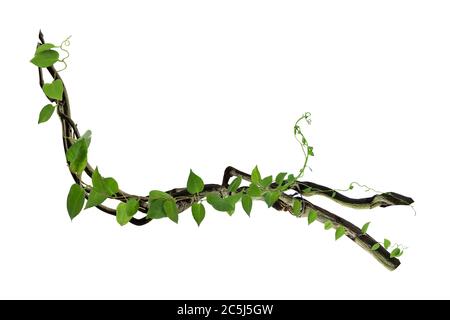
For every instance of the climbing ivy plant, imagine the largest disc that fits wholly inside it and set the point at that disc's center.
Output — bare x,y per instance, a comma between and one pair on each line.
283,191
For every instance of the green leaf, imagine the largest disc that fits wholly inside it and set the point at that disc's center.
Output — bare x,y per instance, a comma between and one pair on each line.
97,180
95,198
87,137
110,185
45,47
54,90
395,253
195,183
156,194
386,243
256,176
310,151
253,190
198,212
271,197
46,113
375,247
247,203
45,58
126,211
328,225
219,203
280,178
102,189
74,150
340,231
235,184
291,178
171,210
307,190
156,209
77,156
75,200
266,182
296,207
233,199
365,227
132,207
312,216
121,214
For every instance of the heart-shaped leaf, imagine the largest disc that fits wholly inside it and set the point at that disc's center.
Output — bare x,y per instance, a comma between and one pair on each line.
54,90
45,47
46,113
45,58
75,200
235,184
195,183
312,216
296,207
170,209
247,203
364,228
340,231
198,212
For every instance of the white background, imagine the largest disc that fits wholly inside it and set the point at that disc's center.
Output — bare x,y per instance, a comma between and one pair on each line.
170,85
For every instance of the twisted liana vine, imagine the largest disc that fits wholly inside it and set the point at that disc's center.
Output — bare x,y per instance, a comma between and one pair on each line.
284,192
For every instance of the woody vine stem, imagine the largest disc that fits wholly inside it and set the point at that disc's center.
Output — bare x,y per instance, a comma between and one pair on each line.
285,192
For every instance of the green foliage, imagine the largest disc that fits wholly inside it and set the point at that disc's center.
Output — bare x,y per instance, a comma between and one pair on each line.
270,197
266,182
307,190
156,194
256,176
77,156
375,247
171,210
102,189
54,90
75,200
161,205
340,231
45,57
77,153
296,207
46,113
365,227
312,216
291,178
156,209
253,190
280,178
234,198
386,243
247,203
235,184
45,47
220,204
126,211
195,183
328,225
198,212
396,253
310,151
